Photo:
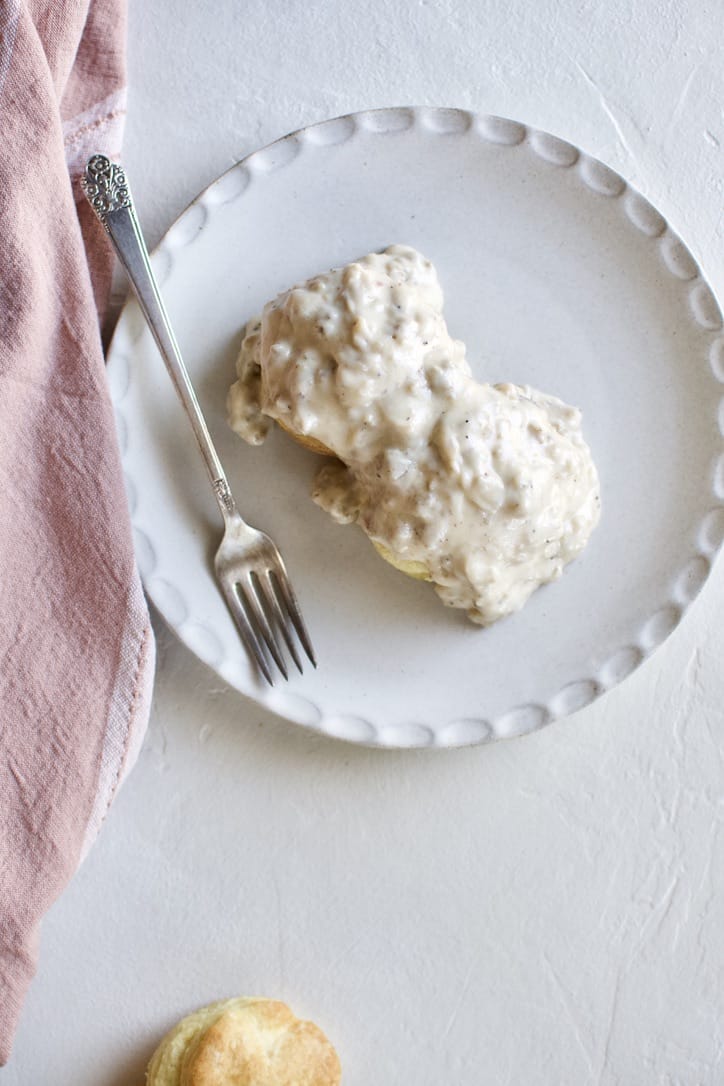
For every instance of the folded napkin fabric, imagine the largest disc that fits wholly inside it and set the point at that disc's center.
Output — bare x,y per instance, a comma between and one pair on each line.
76,649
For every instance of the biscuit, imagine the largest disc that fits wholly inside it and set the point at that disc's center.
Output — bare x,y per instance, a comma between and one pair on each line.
486,490
306,442
244,1042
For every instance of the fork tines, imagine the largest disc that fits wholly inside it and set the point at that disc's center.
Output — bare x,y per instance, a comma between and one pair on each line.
268,615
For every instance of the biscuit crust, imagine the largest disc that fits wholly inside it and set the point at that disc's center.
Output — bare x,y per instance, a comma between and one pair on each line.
248,1041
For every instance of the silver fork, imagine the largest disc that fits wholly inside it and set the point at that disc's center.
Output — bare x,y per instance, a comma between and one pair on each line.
249,567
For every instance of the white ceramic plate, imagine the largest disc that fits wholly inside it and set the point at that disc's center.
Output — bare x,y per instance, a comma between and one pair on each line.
557,274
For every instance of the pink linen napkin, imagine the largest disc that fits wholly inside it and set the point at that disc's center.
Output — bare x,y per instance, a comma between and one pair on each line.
76,648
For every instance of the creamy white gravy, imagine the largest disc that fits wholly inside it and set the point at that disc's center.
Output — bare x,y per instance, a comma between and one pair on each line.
490,487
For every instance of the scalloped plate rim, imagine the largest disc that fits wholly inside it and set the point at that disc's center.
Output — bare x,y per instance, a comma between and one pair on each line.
542,710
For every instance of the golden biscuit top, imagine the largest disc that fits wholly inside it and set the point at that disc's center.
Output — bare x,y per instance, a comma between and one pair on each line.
244,1042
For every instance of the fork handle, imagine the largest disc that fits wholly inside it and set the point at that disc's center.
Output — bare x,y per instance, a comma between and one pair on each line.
106,188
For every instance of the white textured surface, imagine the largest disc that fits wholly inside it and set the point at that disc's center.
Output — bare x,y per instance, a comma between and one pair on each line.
542,911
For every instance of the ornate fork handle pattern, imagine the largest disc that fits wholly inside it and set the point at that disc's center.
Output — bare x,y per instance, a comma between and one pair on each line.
105,187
